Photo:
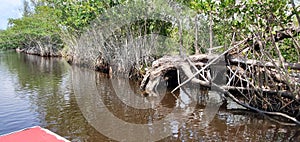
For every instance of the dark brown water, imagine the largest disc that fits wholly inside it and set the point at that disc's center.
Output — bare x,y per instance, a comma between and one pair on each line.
82,105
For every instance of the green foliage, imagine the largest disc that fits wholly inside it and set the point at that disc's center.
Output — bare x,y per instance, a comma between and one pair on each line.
246,18
24,32
289,51
9,40
230,17
243,17
76,15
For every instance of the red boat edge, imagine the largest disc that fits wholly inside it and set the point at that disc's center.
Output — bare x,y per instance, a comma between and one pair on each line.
32,134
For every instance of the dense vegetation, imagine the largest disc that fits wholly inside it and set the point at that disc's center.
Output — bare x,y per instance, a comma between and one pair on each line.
34,27
258,38
227,20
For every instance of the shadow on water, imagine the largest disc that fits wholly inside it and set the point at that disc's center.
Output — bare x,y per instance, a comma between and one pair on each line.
42,91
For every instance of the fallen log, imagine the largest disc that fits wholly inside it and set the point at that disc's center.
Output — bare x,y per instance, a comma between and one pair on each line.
267,89
240,60
162,67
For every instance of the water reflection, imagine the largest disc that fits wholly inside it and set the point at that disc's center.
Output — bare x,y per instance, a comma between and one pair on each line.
39,91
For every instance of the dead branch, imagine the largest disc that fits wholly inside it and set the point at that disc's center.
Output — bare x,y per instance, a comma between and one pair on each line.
240,60
210,63
188,72
166,64
258,110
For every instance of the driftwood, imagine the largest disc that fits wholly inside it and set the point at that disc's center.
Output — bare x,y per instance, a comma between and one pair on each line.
238,80
255,78
164,66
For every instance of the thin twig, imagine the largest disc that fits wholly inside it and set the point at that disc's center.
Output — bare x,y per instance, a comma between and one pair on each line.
210,63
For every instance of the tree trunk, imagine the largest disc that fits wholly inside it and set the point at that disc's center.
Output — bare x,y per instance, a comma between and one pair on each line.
210,32
196,36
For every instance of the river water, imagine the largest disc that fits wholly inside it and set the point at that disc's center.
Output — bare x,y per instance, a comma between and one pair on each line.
83,105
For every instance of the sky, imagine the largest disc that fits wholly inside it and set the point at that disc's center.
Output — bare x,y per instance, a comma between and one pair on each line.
9,9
